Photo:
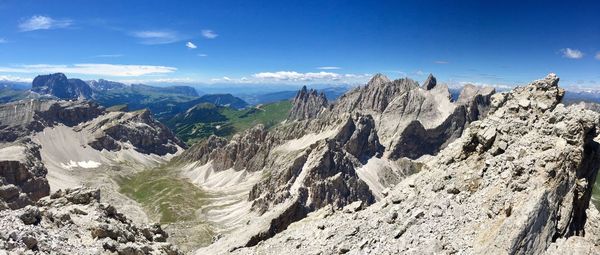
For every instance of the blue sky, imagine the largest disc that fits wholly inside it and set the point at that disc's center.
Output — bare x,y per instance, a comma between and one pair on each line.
301,42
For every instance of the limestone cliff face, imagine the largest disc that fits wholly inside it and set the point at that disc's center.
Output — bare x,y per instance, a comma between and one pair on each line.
22,175
517,182
19,119
307,104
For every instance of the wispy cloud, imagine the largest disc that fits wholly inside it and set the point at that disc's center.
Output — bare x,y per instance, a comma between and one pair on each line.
440,62
329,68
91,69
222,79
2,40
572,53
14,78
43,22
159,80
191,45
292,75
152,37
207,33
597,55
202,55
108,56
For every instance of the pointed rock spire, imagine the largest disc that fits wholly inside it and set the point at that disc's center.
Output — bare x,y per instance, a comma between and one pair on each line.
429,83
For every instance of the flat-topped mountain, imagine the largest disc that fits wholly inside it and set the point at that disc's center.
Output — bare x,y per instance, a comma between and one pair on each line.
59,86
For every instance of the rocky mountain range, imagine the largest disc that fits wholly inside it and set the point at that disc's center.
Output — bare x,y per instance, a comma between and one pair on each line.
391,167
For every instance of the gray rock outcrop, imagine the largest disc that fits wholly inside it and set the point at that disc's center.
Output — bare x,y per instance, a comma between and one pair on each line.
73,221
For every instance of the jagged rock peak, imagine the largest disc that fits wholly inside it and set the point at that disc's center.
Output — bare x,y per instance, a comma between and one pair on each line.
429,83
378,79
307,104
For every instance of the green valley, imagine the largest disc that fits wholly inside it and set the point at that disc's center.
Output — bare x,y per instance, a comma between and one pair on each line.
205,119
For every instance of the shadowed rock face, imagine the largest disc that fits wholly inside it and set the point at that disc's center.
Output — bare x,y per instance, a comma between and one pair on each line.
307,104
59,86
429,83
22,175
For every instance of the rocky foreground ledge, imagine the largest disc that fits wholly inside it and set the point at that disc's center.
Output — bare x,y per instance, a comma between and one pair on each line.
73,221
517,182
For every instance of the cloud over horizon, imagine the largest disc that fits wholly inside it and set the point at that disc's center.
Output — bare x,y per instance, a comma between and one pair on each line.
39,22
91,69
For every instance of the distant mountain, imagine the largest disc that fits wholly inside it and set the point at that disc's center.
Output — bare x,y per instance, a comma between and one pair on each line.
224,100
59,86
104,85
572,97
9,94
331,93
16,85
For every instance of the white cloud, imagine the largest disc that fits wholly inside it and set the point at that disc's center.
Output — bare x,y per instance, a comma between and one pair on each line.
572,53
191,45
329,68
597,55
440,62
419,73
43,22
295,76
202,55
2,40
209,34
152,37
91,69
159,80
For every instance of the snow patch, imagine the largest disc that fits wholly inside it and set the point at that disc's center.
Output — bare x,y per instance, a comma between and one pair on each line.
83,164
